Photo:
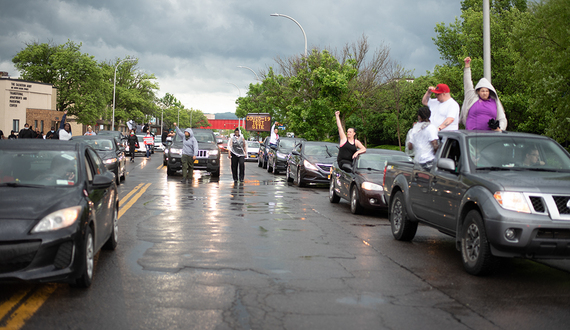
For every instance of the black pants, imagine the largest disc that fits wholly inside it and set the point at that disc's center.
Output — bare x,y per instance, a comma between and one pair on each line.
237,160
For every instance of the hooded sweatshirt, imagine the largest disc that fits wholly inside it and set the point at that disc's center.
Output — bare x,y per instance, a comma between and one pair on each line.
471,97
190,144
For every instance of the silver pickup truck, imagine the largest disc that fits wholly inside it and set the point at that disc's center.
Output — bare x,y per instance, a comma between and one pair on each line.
500,194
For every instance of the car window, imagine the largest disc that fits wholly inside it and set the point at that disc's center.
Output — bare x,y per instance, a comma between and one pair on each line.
39,167
96,162
316,150
378,161
101,145
88,167
251,144
286,144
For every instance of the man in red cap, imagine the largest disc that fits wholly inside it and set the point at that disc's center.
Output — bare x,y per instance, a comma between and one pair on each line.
444,109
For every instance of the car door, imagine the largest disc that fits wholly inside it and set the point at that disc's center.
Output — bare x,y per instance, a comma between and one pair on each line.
100,198
446,188
296,159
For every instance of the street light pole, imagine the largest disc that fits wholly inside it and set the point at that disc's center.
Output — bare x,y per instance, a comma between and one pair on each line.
245,67
115,87
486,41
291,18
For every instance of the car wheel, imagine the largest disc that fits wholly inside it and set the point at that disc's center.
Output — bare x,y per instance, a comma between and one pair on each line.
275,171
169,172
111,243
259,163
333,197
269,169
475,249
164,162
288,174
264,163
298,179
355,206
84,281
124,175
216,174
117,177
402,228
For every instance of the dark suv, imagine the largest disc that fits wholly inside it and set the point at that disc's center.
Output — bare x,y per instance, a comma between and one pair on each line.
277,156
208,157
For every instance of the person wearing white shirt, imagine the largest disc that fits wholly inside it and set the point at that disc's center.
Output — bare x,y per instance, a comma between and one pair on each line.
424,140
444,109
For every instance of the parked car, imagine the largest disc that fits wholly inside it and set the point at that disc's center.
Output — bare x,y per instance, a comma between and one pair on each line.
208,157
111,152
499,194
158,143
277,156
223,146
262,155
311,162
59,207
362,183
252,151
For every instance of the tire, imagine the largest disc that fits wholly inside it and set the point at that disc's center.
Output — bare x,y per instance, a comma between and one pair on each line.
216,174
169,172
164,162
333,197
275,172
84,281
111,243
264,162
355,206
475,248
298,180
288,174
117,178
259,163
402,228
269,169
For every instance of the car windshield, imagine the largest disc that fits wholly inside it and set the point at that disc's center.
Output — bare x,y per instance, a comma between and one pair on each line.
286,144
38,168
319,150
378,161
517,152
157,139
202,137
252,144
101,145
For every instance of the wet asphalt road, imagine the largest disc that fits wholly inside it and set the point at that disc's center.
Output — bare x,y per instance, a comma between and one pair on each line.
268,255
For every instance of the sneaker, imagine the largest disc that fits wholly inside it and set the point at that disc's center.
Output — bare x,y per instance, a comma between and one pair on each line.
184,181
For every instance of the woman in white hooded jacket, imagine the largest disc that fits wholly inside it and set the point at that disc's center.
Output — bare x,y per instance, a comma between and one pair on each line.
481,104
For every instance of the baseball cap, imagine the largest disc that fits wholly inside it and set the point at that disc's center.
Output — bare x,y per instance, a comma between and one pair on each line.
441,88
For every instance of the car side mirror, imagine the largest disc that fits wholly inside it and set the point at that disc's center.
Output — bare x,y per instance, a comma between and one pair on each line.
273,147
101,181
346,167
446,164
295,152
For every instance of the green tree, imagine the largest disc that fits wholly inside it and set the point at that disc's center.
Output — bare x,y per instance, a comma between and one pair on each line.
544,41
77,77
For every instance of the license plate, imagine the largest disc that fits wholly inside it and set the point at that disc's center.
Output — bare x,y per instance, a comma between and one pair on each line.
253,156
195,161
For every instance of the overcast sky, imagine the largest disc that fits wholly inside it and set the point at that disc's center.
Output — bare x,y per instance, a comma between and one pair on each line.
194,47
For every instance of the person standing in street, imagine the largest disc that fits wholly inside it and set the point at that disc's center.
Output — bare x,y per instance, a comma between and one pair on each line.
444,109
133,143
148,143
237,149
26,132
189,152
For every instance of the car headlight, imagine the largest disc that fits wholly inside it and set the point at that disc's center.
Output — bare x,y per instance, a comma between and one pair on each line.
176,151
514,201
309,165
110,161
213,152
371,186
58,220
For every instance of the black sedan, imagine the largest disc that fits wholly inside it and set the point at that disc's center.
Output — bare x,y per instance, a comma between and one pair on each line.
277,156
111,152
59,207
311,162
361,183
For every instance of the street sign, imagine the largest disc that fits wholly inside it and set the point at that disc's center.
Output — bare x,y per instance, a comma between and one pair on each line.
258,122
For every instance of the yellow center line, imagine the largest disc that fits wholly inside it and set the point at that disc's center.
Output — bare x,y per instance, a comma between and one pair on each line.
7,306
130,194
160,167
133,200
29,307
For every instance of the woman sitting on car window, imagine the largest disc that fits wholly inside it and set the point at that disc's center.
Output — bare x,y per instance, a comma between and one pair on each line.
349,147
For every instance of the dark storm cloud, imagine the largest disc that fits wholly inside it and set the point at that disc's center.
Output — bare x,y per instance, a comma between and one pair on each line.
194,47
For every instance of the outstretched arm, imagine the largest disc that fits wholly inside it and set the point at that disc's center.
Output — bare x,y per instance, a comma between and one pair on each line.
62,123
340,128
427,95
361,149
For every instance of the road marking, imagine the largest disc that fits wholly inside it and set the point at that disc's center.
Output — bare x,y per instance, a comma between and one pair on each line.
160,167
7,306
31,305
122,201
133,200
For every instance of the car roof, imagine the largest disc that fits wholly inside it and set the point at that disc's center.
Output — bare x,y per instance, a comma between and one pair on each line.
41,144
383,152
469,133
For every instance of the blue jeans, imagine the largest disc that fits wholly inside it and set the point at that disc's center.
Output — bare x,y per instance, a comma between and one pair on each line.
148,148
